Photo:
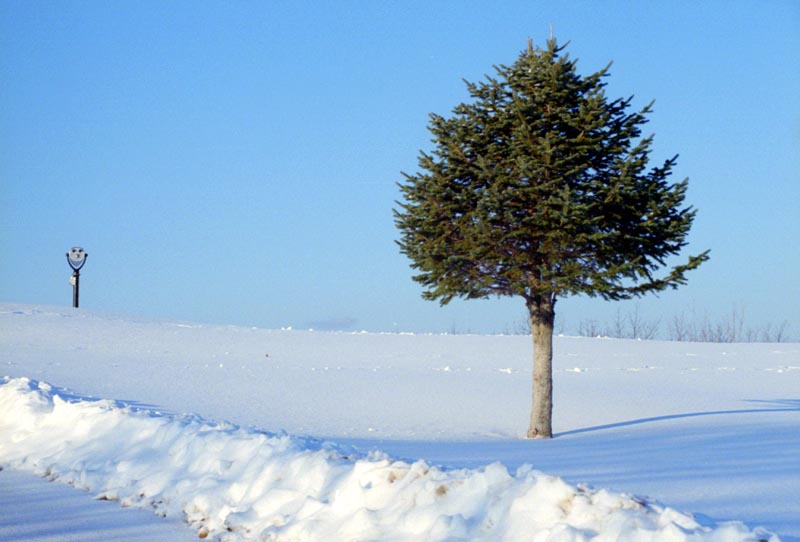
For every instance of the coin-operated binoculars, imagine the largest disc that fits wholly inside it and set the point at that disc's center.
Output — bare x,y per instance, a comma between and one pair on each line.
76,257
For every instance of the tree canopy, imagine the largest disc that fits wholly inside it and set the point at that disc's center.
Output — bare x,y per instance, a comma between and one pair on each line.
540,186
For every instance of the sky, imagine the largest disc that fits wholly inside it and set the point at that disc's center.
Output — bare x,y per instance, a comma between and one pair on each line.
236,162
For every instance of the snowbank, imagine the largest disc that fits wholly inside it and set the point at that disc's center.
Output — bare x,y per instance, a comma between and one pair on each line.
237,484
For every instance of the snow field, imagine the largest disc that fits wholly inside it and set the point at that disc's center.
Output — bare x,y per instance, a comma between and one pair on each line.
236,484
707,428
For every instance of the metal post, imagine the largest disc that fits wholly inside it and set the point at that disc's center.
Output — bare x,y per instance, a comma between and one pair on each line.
76,288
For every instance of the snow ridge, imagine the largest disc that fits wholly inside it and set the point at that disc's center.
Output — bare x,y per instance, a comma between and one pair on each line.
236,484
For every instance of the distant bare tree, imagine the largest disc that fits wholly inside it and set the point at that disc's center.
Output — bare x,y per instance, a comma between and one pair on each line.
628,326
776,334
714,333
681,329
641,328
518,327
617,327
589,328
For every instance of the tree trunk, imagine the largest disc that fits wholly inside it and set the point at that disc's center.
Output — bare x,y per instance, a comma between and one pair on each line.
542,315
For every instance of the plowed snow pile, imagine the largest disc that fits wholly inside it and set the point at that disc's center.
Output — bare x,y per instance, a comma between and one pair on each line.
236,484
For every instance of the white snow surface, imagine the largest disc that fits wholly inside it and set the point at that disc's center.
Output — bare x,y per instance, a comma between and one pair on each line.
34,510
416,436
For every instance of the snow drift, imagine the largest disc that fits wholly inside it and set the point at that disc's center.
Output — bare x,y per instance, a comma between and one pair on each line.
235,484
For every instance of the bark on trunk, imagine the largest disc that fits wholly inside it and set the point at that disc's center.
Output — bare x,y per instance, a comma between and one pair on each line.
542,316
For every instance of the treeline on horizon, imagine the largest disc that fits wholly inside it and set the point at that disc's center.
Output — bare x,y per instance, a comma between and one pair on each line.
682,327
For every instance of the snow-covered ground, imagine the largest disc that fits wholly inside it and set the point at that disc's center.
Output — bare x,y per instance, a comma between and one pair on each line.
34,510
403,432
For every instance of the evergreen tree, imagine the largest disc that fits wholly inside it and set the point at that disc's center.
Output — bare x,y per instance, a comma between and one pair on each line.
539,187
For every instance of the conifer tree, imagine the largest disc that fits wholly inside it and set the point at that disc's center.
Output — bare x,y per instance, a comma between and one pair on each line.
540,187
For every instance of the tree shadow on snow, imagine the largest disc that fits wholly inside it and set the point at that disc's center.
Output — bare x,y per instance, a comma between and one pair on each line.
778,405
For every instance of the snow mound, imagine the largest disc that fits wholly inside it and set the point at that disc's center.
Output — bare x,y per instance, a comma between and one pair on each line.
237,484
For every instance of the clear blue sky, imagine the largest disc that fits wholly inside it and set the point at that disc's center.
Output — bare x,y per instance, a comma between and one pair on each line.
235,162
